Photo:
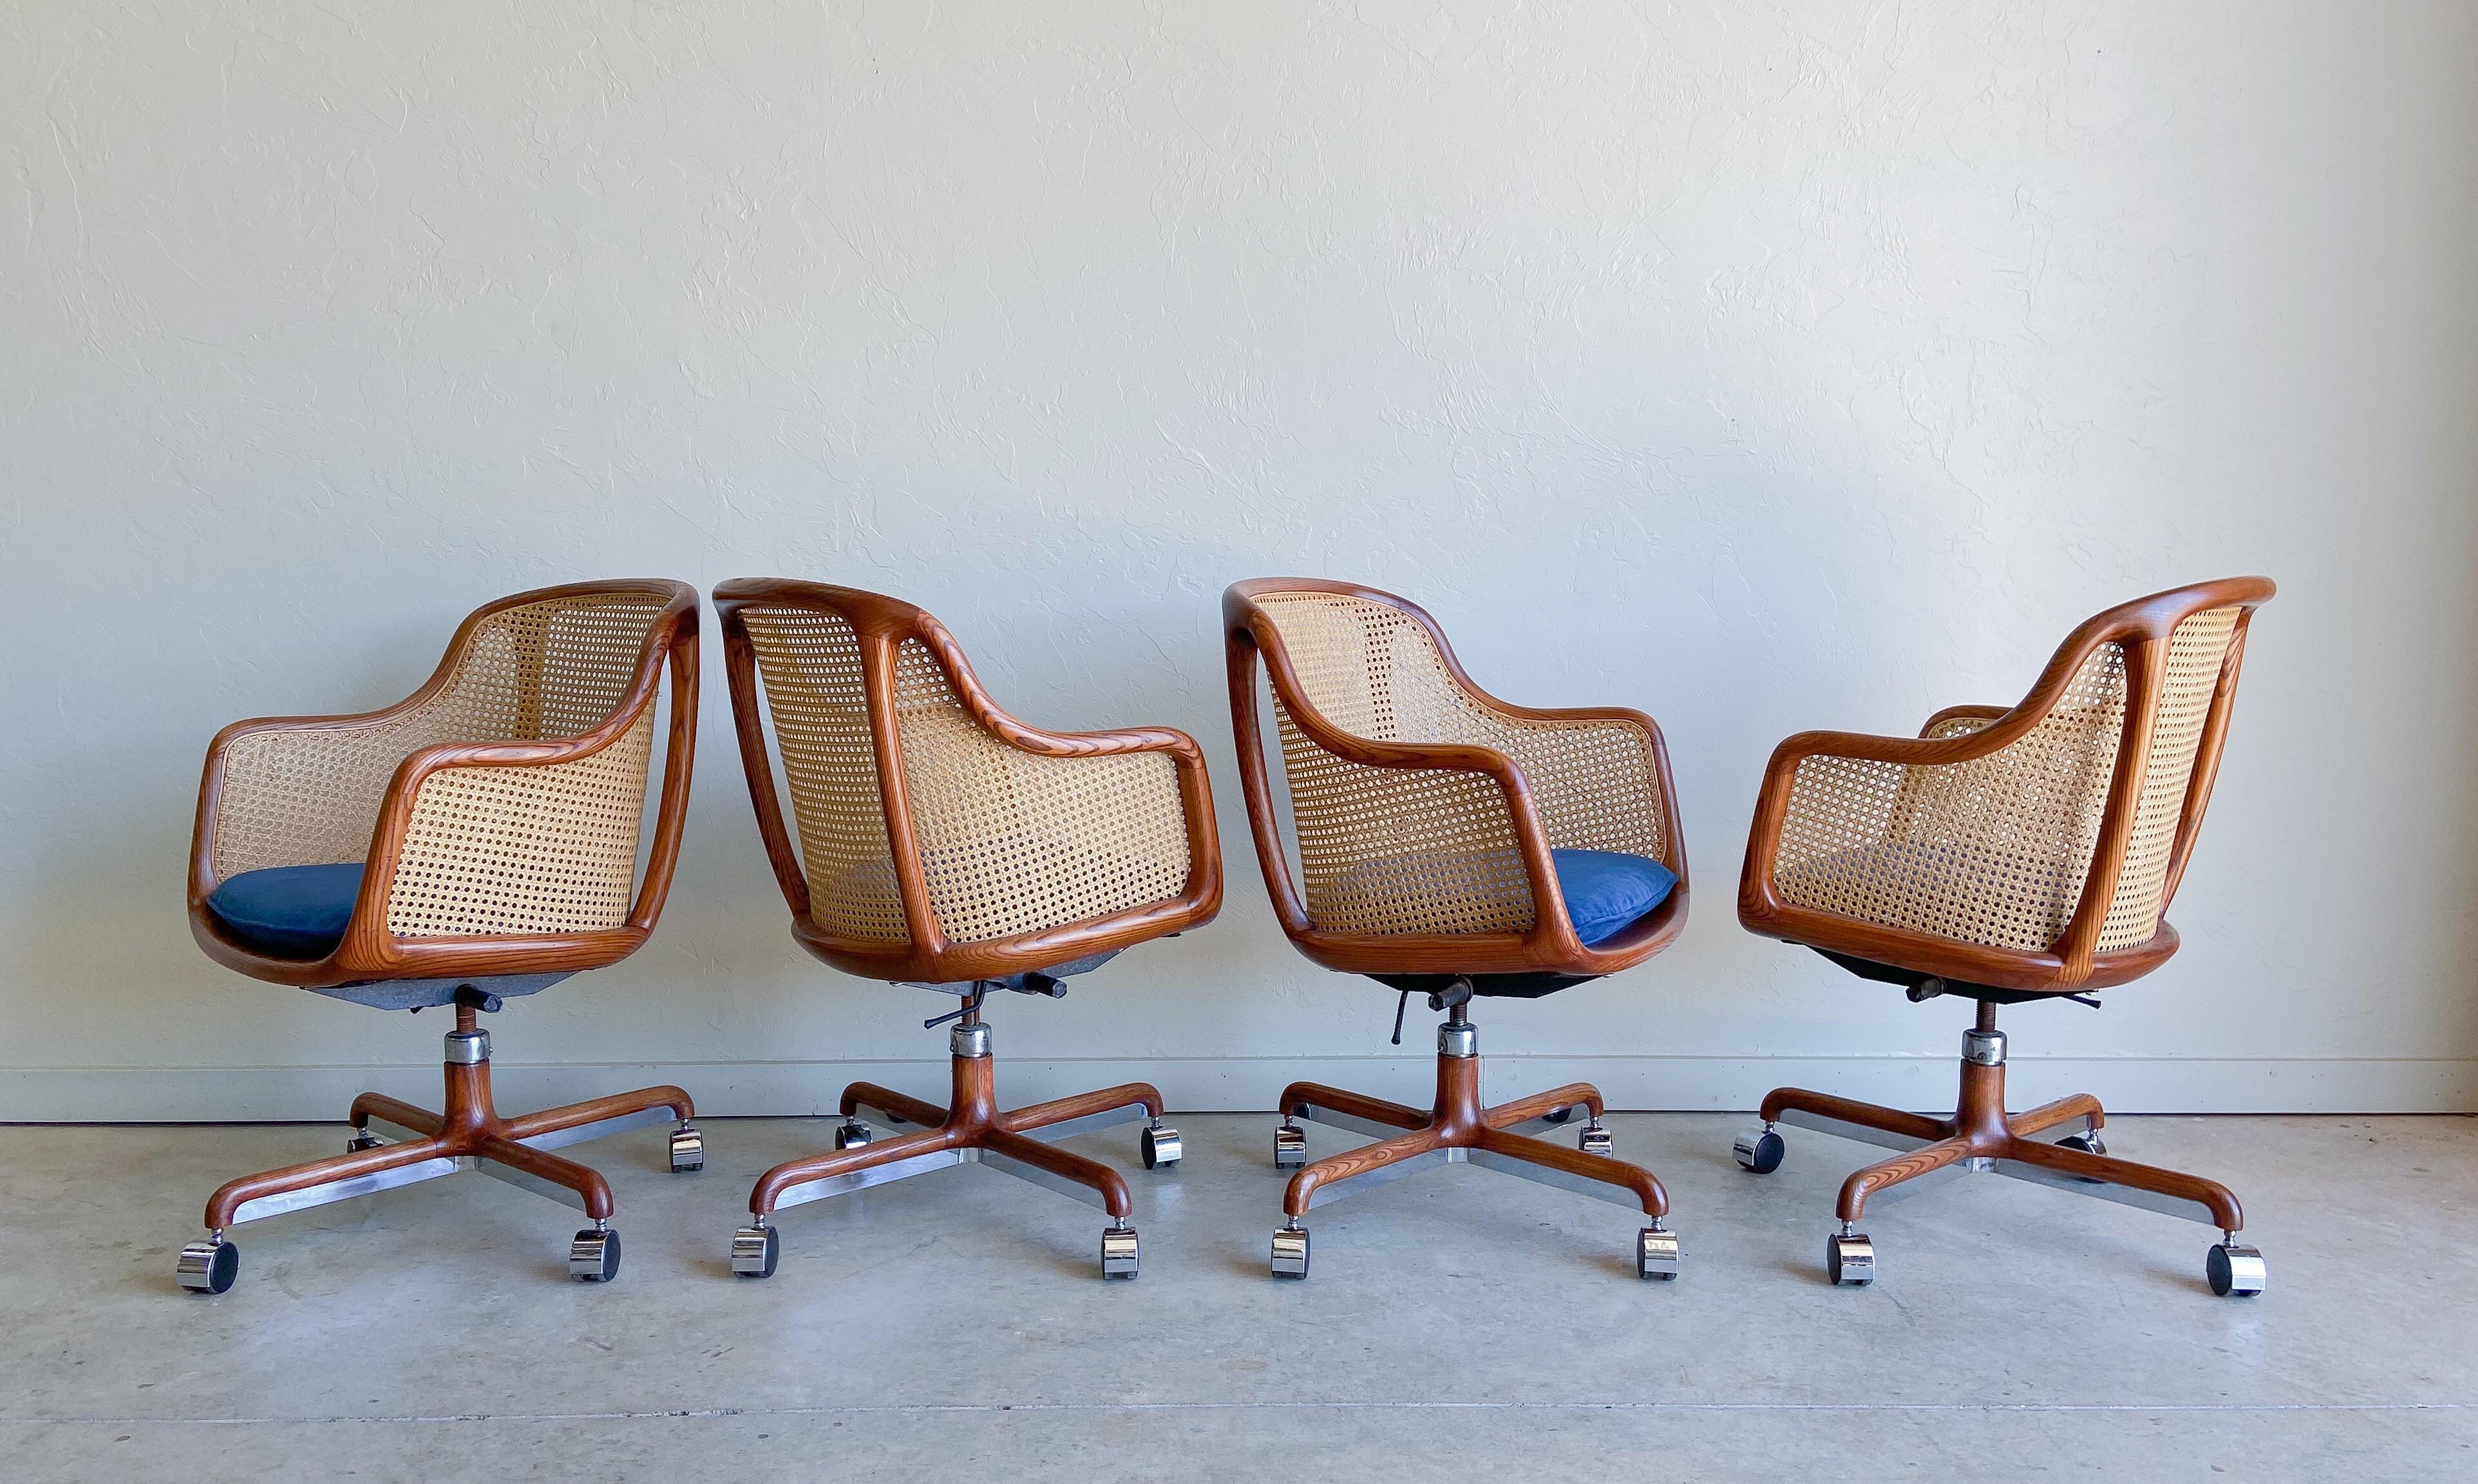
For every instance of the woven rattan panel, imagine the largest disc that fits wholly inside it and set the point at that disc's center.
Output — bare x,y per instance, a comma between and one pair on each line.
1391,851
311,795
1992,851
811,664
2197,651
1013,843
506,850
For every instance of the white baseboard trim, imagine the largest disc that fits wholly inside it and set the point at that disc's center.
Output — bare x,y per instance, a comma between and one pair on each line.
183,1094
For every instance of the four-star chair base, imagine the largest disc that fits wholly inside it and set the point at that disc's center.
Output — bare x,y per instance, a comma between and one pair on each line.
470,1135
971,1130
1982,1138
1459,1130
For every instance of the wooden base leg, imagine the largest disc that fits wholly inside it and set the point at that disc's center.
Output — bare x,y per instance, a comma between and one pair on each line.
771,1185
1375,1110
1843,1110
1092,1174
1523,1110
2106,1169
236,1194
587,1183
1059,1110
1856,1190
1645,1186
910,1109
2064,1110
550,1121
395,1111
1361,1161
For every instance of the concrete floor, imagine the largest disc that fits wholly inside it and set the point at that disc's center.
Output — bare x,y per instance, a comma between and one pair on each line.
1458,1325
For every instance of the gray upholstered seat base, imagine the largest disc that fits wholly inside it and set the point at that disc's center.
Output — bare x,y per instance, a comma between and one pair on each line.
1018,982
423,994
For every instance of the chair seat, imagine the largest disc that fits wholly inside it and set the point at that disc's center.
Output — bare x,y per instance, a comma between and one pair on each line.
1968,893
293,912
1607,893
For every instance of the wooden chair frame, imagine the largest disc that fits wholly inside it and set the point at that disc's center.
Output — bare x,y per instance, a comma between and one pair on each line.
972,1128
469,1133
1982,1136
1455,1128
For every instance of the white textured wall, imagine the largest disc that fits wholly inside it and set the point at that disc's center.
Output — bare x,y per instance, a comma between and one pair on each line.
1763,366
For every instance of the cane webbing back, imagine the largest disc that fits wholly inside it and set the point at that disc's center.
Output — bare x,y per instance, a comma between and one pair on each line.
1395,851
492,852
1997,850
311,794
811,665
1012,842
2198,651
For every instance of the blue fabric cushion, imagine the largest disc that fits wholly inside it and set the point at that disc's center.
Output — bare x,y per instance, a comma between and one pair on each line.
1607,892
293,912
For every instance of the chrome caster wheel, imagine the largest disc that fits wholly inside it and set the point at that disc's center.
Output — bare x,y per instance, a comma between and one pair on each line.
593,1257
2236,1269
1290,1147
1161,1145
1558,1115
1656,1253
1758,1149
362,1141
1118,1252
687,1150
754,1250
1291,1253
852,1135
1850,1259
210,1267
1594,1139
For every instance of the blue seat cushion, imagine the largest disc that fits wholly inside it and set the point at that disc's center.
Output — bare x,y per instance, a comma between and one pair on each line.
1607,892
293,912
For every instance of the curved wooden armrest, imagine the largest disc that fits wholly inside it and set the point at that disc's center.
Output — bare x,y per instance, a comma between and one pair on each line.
1550,931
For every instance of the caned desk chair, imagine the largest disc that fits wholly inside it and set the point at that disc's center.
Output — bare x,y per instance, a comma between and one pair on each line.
2008,856
944,844
1451,845
474,841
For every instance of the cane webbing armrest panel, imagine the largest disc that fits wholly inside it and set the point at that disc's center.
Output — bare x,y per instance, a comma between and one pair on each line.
2033,848
939,839
1426,812
498,812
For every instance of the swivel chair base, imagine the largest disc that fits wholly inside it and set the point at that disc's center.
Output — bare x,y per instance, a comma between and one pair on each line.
1459,1130
470,1135
1982,1138
971,1130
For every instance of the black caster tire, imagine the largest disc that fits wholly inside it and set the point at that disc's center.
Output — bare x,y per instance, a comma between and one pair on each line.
1849,1261
1558,1115
1760,1151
